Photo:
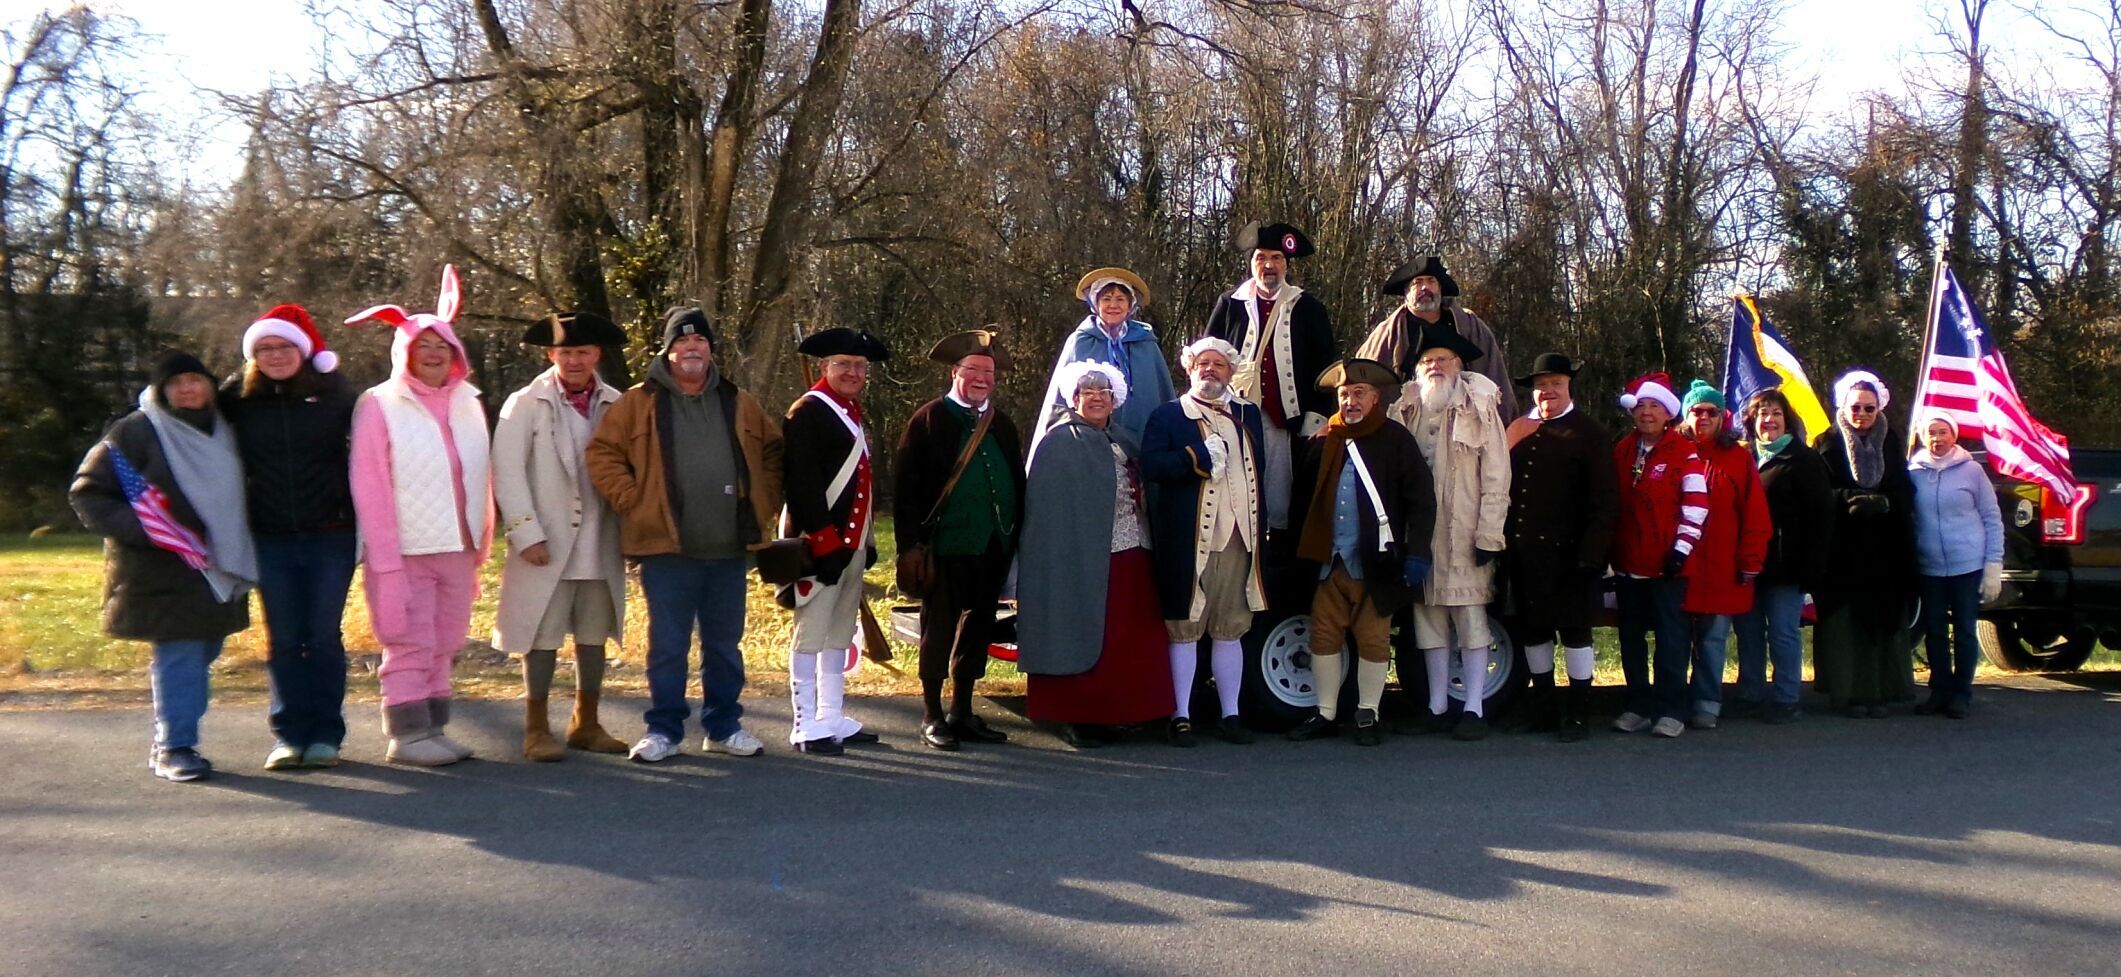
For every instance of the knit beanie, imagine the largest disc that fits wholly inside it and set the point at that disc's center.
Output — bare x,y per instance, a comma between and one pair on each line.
173,364
691,321
1702,393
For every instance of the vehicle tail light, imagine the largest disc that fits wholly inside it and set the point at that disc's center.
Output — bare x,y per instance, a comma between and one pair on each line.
2063,522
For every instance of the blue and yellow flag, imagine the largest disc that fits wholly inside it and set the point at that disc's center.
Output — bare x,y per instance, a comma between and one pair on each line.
1759,359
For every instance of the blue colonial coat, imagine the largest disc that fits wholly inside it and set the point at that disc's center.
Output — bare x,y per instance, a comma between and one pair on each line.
1174,463
1140,360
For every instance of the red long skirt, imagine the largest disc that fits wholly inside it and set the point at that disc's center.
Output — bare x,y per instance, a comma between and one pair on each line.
1131,682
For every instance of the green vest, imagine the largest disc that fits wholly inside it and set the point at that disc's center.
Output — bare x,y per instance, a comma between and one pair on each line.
983,506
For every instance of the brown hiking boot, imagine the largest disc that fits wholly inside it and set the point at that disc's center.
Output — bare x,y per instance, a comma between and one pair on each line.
584,732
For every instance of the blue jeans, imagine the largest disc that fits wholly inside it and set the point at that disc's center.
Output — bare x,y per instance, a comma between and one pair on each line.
1770,632
1953,602
178,675
1647,607
1712,636
682,591
302,580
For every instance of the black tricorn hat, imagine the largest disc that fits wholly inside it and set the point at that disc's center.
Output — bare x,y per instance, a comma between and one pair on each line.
1357,370
1403,276
573,329
1549,363
1284,238
983,341
842,341
1441,334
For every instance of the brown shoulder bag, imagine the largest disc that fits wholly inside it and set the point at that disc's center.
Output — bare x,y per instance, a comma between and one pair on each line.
915,568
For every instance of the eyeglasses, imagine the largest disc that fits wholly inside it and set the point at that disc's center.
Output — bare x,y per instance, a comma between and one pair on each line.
849,366
1863,408
274,349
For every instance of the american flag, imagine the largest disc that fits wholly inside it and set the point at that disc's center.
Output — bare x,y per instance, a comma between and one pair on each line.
152,507
1963,374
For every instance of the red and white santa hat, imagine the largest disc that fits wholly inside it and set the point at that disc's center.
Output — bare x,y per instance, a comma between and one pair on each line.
292,323
1654,387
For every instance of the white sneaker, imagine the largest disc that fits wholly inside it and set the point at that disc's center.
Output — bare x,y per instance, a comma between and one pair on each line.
653,748
739,743
1668,728
1631,722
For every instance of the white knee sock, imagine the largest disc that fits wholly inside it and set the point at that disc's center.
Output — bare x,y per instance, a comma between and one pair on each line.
1370,683
1473,668
1437,662
1539,658
1326,673
1580,660
1185,659
802,697
1228,663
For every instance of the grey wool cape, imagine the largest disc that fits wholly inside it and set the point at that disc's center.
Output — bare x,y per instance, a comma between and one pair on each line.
1064,562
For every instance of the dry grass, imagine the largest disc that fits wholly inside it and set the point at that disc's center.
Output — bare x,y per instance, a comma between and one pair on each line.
52,651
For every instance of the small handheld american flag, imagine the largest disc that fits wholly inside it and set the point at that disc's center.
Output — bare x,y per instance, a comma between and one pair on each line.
152,508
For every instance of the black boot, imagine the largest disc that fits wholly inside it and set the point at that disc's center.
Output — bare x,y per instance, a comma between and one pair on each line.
1576,710
1537,712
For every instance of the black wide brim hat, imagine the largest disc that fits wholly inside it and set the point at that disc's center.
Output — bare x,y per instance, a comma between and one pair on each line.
1284,238
983,341
1402,277
842,341
1357,370
573,329
1548,364
1441,334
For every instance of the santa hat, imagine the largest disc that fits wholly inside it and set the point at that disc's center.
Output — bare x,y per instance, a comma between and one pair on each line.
292,323
1655,387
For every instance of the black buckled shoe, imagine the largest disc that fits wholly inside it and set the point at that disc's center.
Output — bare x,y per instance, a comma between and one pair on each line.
1078,737
1368,732
973,728
1230,729
1179,732
1470,727
939,736
822,746
1314,727
861,738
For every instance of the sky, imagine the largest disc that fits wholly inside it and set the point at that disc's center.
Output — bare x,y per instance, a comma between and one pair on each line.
1854,47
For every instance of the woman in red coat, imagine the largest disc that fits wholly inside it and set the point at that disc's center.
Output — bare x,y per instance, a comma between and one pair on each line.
1661,506
1734,542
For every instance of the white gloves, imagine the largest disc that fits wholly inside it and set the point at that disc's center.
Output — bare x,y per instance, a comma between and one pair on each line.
1991,581
1218,457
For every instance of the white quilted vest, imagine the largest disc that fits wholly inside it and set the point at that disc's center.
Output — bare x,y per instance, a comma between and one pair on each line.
419,468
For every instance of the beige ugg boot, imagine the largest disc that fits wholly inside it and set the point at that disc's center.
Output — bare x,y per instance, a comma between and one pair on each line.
412,738
584,732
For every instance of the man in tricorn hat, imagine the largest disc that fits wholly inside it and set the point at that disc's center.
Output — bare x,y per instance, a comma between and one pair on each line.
1563,504
1284,340
1453,415
829,484
971,529
1427,289
564,575
1367,508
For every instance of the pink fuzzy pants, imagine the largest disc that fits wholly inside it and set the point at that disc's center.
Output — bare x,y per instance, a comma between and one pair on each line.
422,617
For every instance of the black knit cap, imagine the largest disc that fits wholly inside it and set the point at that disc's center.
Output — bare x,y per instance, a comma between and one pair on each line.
174,363
689,321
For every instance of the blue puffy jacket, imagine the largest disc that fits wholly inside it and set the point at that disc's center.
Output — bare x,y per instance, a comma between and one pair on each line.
1958,526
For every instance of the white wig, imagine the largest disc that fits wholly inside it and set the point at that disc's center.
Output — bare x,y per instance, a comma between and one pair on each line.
1203,344
1845,389
1069,380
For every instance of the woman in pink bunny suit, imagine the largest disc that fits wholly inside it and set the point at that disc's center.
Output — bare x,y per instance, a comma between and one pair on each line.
424,508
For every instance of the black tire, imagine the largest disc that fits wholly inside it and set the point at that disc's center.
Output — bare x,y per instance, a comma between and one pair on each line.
1507,674
2019,645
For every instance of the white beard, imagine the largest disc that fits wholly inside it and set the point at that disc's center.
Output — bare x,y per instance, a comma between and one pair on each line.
1437,392
1210,390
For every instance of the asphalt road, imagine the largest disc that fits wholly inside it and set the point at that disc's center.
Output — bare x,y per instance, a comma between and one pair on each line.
1909,845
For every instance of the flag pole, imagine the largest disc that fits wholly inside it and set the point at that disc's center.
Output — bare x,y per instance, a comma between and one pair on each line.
1929,343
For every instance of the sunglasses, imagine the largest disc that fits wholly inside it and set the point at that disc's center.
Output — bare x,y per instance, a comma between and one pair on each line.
1863,408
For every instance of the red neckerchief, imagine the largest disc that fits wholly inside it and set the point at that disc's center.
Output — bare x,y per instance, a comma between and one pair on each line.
579,400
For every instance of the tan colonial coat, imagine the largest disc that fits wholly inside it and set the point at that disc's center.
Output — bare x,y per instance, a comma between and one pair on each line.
537,486
1471,468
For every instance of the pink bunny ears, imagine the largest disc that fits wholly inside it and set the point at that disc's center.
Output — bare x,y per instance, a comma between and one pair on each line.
445,306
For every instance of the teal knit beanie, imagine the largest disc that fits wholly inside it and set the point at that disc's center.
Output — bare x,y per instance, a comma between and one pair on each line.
1701,393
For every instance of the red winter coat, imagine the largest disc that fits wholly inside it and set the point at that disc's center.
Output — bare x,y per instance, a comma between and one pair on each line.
1735,536
1659,511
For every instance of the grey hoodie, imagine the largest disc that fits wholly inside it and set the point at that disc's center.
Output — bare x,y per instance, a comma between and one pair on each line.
703,468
